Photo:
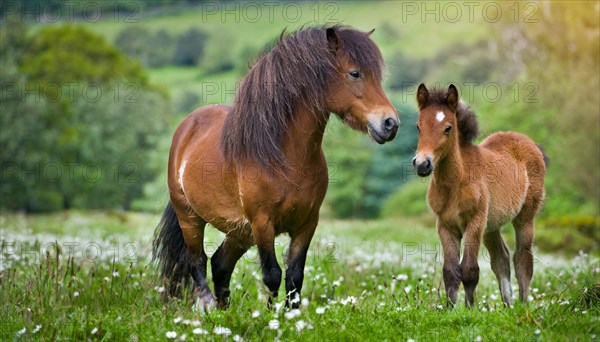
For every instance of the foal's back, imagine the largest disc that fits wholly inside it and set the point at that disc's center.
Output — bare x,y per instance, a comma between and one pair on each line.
511,168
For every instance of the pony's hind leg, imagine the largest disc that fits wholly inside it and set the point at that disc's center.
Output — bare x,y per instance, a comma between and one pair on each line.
178,248
223,263
500,261
524,231
192,228
523,258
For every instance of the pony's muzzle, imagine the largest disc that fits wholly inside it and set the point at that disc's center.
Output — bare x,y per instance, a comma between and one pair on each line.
423,168
385,130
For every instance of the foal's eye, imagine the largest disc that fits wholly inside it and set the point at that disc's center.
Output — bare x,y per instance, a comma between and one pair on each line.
448,130
354,74
418,128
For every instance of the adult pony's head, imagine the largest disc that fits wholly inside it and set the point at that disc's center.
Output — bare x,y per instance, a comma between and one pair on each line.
444,123
319,70
355,93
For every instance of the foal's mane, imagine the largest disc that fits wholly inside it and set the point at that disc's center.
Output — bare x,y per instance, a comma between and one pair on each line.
298,69
465,116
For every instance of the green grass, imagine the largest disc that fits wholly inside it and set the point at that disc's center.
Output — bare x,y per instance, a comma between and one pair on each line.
376,280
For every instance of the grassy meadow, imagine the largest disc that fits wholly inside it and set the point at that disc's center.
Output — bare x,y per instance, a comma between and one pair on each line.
375,280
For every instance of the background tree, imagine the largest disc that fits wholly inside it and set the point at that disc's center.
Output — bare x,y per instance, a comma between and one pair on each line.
189,49
391,165
559,55
348,157
69,146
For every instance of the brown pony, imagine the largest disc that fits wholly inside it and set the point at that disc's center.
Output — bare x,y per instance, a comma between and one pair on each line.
475,189
256,169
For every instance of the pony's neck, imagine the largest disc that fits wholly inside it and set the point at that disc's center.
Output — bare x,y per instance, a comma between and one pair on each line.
450,170
305,136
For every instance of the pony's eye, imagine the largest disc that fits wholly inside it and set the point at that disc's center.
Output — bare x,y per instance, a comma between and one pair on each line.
418,128
354,74
448,130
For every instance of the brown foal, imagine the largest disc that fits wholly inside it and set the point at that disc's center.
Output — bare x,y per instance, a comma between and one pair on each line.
256,169
475,190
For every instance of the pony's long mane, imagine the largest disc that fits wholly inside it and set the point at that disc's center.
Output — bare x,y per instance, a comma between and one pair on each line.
468,126
297,69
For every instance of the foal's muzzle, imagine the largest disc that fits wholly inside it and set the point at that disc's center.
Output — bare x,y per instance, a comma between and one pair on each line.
384,130
423,168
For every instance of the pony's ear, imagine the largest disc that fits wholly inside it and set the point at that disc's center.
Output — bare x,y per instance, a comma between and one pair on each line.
332,39
422,95
370,32
452,97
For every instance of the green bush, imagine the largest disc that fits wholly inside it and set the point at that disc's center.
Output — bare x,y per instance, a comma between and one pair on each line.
569,234
189,50
409,200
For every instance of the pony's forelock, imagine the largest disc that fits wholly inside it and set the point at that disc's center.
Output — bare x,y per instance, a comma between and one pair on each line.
465,116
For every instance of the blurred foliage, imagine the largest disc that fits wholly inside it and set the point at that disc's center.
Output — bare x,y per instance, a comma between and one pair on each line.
391,165
547,72
79,121
362,175
348,157
569,234
409,200
189,49
219,57
141,44
68,53
560,55
405,71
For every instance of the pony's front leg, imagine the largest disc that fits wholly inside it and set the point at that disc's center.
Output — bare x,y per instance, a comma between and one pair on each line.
450,240
296,259
469,266
263,232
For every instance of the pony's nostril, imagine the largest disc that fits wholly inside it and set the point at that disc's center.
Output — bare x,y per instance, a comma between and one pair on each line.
428,164
389,124
415,161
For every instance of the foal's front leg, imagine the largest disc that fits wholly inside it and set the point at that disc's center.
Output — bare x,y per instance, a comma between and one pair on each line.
469,266
263,232
450,239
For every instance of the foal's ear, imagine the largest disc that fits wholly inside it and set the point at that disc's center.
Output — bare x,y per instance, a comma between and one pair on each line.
370,32
452,97
422,95
332,39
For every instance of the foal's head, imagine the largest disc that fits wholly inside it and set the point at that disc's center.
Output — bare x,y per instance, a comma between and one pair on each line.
444,123
355,93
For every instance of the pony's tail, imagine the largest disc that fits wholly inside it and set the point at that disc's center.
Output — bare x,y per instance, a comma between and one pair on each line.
546,158
169,251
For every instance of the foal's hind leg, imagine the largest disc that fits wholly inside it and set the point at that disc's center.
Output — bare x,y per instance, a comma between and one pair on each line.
500,260
523,258
223,263
524,231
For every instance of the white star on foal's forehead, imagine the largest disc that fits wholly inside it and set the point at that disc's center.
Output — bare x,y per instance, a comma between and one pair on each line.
440,116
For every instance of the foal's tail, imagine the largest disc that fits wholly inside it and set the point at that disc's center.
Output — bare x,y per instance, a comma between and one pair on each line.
168,248
546,158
